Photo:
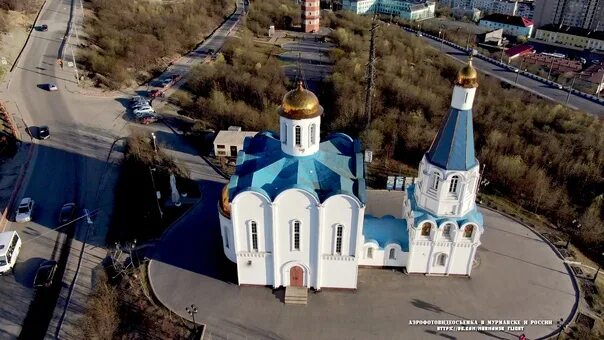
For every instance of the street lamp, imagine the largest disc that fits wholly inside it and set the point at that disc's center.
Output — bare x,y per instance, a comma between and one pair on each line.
576,227
550,68
154,141
192,310
517,75
570,89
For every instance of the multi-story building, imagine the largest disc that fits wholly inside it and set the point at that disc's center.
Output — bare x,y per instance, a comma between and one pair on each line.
310,16
572,37
511,25
410,10
508,7
587,14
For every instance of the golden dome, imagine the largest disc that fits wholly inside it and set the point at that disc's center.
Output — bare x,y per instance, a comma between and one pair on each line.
467,77
300,103
225,205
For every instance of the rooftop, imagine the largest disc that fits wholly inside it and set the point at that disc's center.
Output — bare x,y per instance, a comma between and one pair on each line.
336,168
508,19
230,137
385,202
386,230
599,35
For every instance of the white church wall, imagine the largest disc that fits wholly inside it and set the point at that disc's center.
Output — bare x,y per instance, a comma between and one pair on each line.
296,205
226,231
419,256
340,210
288,135
339,272
255,268
378,257
254,261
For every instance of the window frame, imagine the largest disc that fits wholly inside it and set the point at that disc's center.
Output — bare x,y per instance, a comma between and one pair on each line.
311,136
226,237
425,226
298,135
296,242
369,253
471,229
254,236
435,181
392,254
338,239
454,185
284,139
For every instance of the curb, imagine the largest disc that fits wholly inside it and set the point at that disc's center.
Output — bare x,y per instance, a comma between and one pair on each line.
571,273
18,183
27,39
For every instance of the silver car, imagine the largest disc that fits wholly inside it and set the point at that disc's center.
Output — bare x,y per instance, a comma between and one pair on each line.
24,211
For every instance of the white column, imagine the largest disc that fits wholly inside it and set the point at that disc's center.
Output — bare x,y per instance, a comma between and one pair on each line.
451,257
235,225
319,261
276,258
358,247
471,261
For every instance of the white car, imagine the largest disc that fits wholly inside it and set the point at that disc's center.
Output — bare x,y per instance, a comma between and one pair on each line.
143,111
52,87
24,211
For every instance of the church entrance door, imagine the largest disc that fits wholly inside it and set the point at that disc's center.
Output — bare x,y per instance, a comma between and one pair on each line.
296,276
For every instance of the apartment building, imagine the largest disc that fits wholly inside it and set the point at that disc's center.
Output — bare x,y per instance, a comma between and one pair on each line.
586,14
410,10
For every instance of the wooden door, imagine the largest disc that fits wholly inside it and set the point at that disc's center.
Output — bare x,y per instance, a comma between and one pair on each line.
296,276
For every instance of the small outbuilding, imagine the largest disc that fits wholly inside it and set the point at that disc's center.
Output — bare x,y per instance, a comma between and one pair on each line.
228,142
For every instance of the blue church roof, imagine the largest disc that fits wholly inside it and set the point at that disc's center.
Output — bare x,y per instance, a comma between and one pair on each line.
453,147
386,230
336,168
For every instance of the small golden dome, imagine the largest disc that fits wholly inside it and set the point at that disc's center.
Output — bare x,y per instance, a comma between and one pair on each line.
467,77
300,103
225,205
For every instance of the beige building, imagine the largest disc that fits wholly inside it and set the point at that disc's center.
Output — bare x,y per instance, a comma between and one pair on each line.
587,14
228,142
572,37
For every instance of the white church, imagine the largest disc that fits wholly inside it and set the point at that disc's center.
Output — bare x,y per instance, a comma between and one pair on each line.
297,212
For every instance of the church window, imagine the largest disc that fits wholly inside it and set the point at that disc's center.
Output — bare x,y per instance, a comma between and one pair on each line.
298,135
339,232
296,236
313,138
226,238
453,185
441,260
392,255
254,233
447,230
435,180
370,253
426,229
469,229
284,134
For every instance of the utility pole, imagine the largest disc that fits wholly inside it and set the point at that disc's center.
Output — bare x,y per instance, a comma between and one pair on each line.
570,89
599,88
550,68
370,66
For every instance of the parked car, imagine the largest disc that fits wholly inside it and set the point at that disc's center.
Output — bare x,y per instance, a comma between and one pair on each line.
156,93
140,105
45,274
67,212
148,119
25,209
143,111
43,132
52,87
10,245
136,99
43,28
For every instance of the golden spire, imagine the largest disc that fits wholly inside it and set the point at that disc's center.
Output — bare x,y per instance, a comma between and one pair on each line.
467,77
300,103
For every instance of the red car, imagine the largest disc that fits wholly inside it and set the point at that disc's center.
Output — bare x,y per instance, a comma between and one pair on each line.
156,93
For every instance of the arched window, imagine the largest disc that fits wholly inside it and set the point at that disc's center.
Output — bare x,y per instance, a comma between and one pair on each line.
370,253
435,180
426,229
453,185
226,238
254,235
392,254
312,137
468,230
441,260
284,139
338,245
298,135
296,235
447,230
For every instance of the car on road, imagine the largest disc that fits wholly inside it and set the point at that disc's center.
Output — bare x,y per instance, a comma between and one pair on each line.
43,28
140,105
67,212
136,99
211,51
10,245
45,274
156,93
43,132
166,82
25,210
419,34
52,87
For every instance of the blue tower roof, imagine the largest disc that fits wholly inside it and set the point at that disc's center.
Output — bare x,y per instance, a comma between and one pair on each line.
336,168
453,147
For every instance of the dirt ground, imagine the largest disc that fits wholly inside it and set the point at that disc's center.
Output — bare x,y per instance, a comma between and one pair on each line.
12,42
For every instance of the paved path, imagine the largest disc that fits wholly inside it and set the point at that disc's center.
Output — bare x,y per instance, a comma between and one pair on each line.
519,277
524,82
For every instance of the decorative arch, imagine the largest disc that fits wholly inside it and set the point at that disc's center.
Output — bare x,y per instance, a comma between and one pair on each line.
369,249
285,268
440,260
468,230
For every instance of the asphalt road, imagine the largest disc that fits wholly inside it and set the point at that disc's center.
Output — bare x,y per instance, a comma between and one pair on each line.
65,168
526,83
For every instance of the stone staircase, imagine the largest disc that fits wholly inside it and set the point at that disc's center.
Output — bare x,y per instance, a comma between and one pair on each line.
296,295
